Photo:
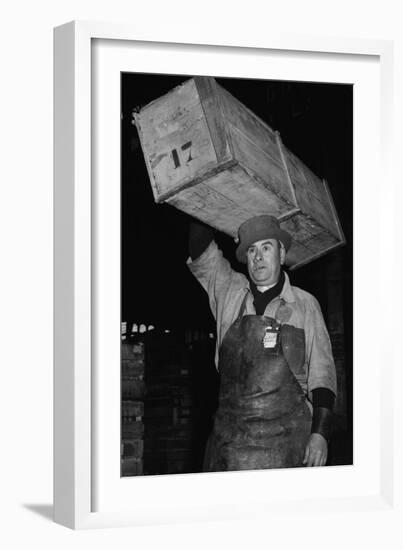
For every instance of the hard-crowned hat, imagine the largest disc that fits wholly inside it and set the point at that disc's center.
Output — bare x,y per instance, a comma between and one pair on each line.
257,229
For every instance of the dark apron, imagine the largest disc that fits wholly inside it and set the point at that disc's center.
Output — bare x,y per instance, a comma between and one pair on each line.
262,420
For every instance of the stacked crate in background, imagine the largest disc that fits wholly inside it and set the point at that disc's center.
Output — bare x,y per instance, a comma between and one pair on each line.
169,412
132,408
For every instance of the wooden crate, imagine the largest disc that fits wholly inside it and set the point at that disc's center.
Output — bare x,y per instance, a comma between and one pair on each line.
133,448
211,157
132,352
132,409
131,467
131,369
132,430
132,388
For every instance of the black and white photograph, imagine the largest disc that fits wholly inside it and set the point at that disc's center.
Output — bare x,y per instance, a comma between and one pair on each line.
236,274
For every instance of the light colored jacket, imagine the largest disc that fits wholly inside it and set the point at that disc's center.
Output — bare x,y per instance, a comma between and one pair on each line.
226,289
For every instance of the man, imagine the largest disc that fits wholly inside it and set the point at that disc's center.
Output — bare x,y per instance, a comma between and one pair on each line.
277,374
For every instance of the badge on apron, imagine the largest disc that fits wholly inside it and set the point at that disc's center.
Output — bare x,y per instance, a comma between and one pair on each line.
271,338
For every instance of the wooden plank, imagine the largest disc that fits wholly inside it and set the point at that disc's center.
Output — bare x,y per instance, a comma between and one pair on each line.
131,467
204,202
315,208
284,163
175,134
241,117
309,238
268,169
227,199
212,107
334,213
323,241
311,193
302,175
297,254
133,448
315,256
301,230
133,430
132,408
132,388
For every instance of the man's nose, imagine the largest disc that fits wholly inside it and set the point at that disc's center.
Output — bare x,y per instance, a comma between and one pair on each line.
258,255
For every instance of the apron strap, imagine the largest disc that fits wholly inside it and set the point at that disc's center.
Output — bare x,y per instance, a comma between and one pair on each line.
242,308
282,302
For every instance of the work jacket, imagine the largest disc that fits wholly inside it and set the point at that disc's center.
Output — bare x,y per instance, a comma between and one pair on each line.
227,288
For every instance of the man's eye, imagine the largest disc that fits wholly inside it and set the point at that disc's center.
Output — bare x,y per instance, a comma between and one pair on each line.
266,248
251,251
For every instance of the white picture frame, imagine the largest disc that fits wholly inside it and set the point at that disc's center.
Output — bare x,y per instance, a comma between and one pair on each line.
87,491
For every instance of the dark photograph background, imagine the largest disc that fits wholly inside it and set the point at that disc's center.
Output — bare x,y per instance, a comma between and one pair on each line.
169,382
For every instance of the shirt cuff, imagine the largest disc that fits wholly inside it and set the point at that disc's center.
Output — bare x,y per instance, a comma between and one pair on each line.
323,397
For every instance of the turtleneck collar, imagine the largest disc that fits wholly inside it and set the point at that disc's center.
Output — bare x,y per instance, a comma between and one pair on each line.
262,299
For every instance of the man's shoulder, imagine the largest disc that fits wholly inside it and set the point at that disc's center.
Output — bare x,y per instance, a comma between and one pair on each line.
304,297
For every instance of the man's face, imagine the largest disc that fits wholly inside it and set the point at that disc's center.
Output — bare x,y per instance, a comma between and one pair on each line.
264,260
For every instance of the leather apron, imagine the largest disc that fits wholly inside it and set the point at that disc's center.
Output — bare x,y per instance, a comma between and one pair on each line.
262,420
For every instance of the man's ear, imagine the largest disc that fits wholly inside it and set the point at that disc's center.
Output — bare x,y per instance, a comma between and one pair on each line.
282,253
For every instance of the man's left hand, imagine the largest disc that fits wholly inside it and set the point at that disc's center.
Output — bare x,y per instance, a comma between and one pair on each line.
316,451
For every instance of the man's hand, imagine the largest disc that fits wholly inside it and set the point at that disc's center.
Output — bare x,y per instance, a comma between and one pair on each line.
316,451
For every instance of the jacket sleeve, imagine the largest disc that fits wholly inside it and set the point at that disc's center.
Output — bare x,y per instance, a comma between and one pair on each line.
225,287
215,274
319,356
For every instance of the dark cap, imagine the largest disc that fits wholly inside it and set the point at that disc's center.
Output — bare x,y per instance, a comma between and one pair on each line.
258,229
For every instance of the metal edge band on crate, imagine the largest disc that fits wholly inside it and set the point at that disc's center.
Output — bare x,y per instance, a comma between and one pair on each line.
288,215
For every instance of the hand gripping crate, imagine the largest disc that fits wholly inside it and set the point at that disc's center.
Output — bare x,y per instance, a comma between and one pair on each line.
211,157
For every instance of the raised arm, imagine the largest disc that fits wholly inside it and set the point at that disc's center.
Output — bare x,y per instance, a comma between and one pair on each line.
200,236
